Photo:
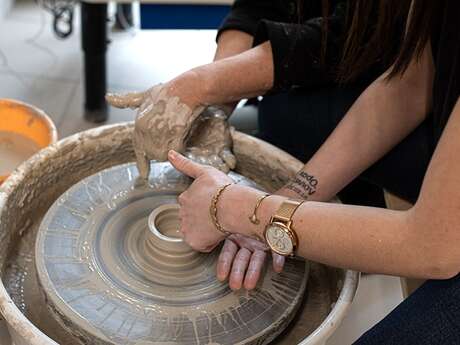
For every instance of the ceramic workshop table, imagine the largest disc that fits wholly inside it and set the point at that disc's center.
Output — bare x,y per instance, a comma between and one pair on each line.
94,45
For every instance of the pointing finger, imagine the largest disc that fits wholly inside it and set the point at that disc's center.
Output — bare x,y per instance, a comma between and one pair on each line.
228,157
128,100
185,165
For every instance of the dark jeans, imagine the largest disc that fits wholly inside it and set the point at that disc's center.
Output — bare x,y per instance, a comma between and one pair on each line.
430,316
299,122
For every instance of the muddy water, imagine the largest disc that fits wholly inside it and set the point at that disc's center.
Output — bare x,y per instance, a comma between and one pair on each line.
14,149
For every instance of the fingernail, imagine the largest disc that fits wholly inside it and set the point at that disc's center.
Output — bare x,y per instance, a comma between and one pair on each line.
172,154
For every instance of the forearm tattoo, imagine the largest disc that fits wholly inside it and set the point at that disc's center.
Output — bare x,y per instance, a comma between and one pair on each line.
303,184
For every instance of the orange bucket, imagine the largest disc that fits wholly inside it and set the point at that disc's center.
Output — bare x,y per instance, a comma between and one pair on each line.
24,130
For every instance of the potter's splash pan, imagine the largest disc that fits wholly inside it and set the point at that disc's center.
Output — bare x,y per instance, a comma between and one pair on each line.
29,193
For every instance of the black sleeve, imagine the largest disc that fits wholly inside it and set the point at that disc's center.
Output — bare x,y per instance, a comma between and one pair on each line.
296,49
246,14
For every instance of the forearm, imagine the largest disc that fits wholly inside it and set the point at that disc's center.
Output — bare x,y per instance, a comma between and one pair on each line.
354,237
240,76
361,238
381,118
232,42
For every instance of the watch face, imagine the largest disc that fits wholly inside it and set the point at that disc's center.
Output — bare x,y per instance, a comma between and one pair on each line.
279,240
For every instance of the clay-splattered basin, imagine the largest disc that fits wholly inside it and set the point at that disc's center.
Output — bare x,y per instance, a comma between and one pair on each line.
28,122
28,193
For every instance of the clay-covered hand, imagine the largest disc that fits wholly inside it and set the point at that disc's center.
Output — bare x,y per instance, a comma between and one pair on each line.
165,116
210,140
242,261
196,225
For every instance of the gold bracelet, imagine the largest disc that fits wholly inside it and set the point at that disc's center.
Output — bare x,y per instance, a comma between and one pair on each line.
213,209
253,218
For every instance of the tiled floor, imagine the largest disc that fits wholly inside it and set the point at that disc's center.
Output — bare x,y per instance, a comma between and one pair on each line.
39,69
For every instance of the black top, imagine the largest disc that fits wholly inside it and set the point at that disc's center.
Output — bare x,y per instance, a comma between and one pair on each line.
446,53
295,36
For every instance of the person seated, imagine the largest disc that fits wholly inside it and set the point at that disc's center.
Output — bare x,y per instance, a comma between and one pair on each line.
414,108
289,52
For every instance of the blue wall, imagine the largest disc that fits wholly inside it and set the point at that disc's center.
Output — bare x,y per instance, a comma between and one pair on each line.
182,16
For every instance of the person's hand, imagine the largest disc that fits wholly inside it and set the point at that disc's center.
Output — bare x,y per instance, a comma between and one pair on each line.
211,141
242,260
166,113
196,226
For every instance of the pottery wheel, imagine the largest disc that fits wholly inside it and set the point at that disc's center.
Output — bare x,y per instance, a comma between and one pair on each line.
109,278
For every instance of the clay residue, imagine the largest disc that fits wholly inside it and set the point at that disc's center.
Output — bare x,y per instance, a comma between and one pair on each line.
162,124
14,149
211,141
271,171
131,100
165,123
24,199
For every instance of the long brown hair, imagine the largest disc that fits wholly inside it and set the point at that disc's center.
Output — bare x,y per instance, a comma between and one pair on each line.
391,39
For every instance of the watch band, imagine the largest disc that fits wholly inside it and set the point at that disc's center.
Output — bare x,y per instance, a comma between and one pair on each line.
279,234
287,209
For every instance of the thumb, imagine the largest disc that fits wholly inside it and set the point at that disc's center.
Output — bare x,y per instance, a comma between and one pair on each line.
185,165
127,100
229,159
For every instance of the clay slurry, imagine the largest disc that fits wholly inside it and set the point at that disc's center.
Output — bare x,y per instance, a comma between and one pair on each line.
14,149
168,223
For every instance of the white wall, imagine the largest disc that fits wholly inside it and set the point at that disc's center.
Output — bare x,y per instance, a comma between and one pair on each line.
5,6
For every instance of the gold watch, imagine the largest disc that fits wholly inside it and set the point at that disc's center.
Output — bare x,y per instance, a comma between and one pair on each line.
279,235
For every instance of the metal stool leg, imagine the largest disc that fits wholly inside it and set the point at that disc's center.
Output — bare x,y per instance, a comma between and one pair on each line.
94,44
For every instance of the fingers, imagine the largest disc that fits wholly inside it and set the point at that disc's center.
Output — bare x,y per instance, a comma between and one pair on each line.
278,262
185,165
229,159
143,164
127,100
224,262
239,267
245,266
254,269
